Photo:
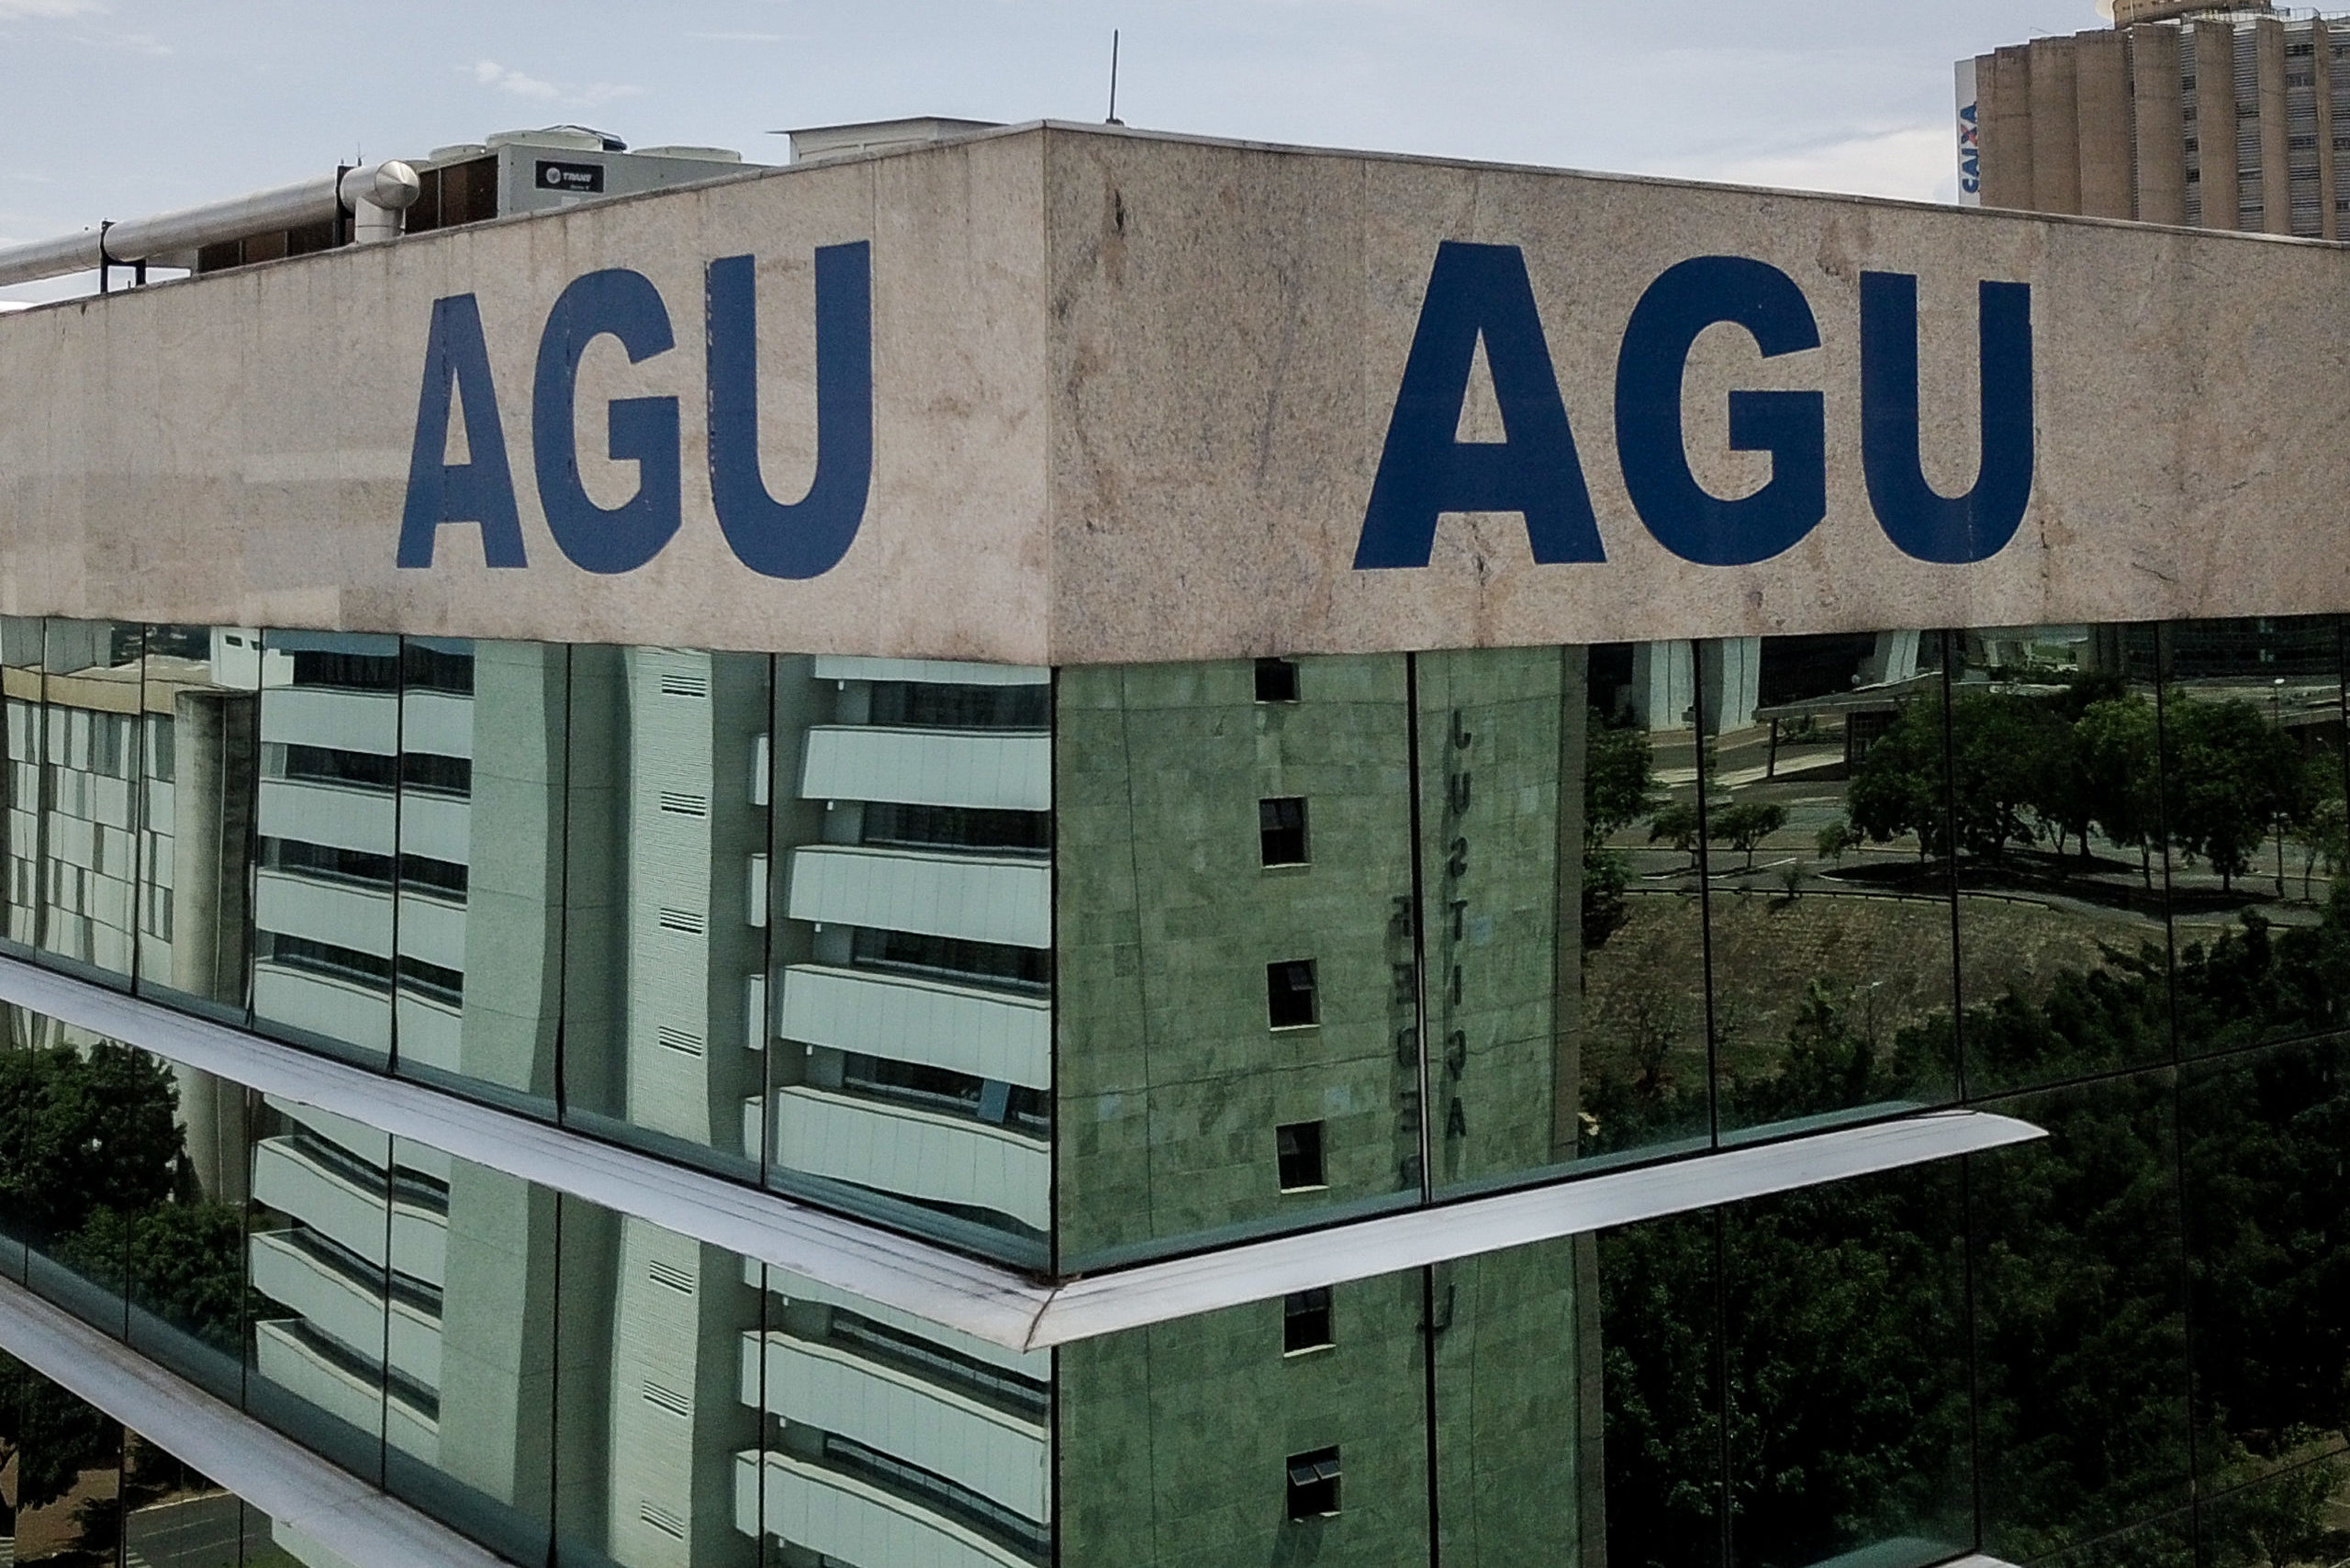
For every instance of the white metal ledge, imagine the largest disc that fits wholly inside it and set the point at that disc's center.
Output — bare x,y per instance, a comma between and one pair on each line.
295,1487
989,1301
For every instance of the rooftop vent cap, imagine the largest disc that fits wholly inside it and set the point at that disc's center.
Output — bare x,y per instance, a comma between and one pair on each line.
693,154
829,143
570,137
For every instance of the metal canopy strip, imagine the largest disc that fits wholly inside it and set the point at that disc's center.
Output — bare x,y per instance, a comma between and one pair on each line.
299,1490
991,1302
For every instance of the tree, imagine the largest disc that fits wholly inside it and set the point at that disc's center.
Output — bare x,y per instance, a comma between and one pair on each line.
85,1130
2232,778
1747,824
2006,748
2120,747
51,1436
1837,840
1676,824
1897,788
1618,780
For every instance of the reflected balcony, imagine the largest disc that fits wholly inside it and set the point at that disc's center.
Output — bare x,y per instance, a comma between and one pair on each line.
909,1152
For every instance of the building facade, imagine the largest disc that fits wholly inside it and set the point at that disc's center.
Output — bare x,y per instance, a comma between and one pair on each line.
1120,880
2211,116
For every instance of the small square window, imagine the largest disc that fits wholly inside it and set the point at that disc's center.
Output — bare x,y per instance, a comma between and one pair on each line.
1276,680
1305,1321
1281,831
1298,1150
1313,1484
1288,994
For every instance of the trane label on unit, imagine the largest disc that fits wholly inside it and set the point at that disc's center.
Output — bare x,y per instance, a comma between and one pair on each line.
574,179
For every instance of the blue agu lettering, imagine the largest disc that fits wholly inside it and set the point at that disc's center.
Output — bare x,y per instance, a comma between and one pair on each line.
623,305
1791,426
1478,291
1978,525
456,361
808,537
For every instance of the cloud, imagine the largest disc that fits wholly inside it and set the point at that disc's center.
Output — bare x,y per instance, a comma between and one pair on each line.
46,10
489,73
515,84
1912,162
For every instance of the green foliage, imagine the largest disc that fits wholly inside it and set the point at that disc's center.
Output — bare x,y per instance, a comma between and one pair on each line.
1676,824
2231,778
1839,839
185,1262
1746,823
51,1436
1619,777
81,1131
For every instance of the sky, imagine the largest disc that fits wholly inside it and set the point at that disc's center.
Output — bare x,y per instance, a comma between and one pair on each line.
117,108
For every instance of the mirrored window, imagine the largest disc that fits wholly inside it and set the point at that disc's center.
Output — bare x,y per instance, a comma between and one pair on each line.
200,774
68,1468
665,900
657,1446
2268,1231
2079,1320
1851,1424
23,733
1829,894
94,721
469,1350
328,828
1660,1311
2056,769
1520,1424
1207,997
342,1243
1635,1024
483,754
1250,1455
2253,768
909,1049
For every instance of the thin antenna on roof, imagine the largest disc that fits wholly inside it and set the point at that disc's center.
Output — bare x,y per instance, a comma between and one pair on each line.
1114,78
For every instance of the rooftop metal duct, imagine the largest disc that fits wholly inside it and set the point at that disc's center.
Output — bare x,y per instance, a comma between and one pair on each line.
375,196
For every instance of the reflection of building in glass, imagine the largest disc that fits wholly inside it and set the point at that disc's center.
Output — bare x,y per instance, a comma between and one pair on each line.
1842,1096
914,1022
892,1439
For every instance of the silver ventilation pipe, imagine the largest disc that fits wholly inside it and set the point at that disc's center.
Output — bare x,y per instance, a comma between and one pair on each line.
375,196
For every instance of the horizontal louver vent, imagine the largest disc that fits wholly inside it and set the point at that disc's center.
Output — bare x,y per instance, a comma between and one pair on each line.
678,804
684,683
684,1044
669,1274
662,1519
689,921
667,1398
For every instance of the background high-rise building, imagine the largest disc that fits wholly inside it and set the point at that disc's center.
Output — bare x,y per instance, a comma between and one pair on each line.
2215,118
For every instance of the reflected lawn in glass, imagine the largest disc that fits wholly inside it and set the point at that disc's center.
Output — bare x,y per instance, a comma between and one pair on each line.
1827,852
2064,927
1642,1063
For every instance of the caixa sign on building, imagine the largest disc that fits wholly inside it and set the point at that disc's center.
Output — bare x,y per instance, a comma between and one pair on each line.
779,539
1483,292
1477,293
